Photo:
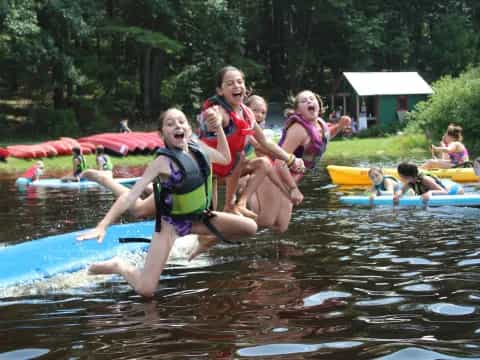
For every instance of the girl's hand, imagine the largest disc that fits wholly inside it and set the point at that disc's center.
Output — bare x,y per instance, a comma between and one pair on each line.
296,196
345,122
213,118
426,196
298,166
396,198
97,233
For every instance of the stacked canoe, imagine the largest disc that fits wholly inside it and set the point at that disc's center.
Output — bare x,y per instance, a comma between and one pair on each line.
114,143
125,143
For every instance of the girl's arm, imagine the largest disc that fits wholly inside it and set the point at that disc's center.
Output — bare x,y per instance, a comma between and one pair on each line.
295,137
157,167
277,151
452,147
389,187
400,193
345,122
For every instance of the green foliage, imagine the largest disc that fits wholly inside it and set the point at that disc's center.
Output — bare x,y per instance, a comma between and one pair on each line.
89,117
149,38
130,56
455,100
382,130
55,123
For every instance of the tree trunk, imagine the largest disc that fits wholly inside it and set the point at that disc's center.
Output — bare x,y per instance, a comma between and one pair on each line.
58,80
277,48
157,66
147,73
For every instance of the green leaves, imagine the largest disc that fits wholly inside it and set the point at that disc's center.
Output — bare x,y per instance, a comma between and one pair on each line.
146,37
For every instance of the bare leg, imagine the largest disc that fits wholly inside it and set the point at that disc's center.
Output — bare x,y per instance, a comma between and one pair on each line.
259,168
231,184
145,280
141,208
437,164
215,193
273,208
230,225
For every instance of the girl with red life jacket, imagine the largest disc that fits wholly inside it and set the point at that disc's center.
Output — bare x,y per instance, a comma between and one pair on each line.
306,135
238,123
181,174
34,172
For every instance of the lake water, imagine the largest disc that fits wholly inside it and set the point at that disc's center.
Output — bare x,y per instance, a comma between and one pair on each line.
342,283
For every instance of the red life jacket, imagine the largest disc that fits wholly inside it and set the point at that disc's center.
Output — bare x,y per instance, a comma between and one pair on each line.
236,132
30,173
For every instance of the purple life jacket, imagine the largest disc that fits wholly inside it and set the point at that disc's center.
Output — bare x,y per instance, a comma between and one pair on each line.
318,143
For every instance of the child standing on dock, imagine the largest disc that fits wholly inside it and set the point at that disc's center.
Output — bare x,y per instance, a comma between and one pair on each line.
104,163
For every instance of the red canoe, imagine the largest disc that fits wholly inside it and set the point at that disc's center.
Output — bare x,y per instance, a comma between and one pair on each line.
3,154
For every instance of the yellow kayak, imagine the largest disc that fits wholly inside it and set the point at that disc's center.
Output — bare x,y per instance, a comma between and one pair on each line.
348,175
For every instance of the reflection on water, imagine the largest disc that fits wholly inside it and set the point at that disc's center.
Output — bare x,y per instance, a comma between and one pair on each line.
342,283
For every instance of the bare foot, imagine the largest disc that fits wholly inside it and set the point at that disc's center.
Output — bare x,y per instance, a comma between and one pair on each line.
104,267
246,212
204,243
232,210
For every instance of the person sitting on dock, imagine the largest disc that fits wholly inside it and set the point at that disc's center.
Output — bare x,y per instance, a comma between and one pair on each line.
78,163
104,163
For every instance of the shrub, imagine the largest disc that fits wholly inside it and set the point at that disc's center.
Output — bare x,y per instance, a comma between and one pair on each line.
455,100
89,117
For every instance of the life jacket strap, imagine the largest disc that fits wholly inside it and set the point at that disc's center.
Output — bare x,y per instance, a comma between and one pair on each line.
205,218
127,240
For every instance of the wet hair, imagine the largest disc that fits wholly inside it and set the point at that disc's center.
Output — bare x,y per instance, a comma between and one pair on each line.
76,150
373,169
221,74
292,103
255,99
163,114
455,132
100,149
407,169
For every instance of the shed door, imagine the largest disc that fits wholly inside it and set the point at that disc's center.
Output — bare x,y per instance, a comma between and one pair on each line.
402,103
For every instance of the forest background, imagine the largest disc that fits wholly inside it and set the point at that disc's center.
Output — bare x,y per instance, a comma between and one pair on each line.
77,67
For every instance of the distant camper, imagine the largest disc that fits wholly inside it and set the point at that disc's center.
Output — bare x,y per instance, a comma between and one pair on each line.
104,162
34,172
124,126
79,165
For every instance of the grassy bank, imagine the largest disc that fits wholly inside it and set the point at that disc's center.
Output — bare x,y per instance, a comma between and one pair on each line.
373,149
396,147
64,163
